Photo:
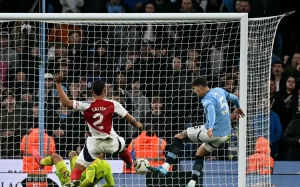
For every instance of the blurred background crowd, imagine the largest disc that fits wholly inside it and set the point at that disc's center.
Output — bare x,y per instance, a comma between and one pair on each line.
147,67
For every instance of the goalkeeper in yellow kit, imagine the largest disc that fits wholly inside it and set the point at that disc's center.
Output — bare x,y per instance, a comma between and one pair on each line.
94,173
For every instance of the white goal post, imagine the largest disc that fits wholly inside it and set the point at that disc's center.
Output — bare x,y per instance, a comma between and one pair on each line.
251,31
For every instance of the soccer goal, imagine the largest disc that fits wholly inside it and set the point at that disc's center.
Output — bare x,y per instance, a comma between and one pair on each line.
148,62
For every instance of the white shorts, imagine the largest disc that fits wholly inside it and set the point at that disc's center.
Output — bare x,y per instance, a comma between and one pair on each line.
95,146
198,134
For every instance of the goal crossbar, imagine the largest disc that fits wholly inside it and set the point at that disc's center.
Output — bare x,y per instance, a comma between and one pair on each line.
121,17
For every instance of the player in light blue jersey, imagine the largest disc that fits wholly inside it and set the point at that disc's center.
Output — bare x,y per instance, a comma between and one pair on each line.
212,134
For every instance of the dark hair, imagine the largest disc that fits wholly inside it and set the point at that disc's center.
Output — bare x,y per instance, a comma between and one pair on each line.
143,9
98,87
157,99
278,62
200,81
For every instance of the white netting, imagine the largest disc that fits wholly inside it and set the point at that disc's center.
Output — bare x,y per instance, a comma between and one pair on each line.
148,66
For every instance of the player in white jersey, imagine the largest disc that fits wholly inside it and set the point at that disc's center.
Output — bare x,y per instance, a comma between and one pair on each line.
98,115
212,134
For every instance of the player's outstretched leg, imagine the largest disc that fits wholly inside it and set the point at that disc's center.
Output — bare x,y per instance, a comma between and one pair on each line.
47,161
171,155
128,158
198,165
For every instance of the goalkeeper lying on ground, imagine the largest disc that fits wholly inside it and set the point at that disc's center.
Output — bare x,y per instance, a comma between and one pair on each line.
93,174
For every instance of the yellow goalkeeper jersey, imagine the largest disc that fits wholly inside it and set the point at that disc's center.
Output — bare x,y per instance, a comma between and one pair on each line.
98,170
94,173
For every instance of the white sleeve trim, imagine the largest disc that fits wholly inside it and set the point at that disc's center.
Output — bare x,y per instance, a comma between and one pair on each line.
80,106
119,109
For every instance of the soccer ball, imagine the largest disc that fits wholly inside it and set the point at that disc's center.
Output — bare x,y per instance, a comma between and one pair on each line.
141,166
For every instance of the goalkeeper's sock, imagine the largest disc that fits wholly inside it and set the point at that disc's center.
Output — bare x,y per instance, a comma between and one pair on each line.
126,157
76,174
197,168
47,161
174,151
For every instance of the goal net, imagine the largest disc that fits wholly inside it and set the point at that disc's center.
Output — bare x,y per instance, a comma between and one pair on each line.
148,66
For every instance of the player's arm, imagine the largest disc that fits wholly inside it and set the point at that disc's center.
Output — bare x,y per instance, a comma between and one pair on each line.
123,113
211,115
60,91
133,121
236,102
90,176
234,99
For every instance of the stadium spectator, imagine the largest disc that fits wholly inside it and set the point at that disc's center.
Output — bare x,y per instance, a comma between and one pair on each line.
26,100
77,53
60,32
55,54
13,127
71,5
163,6
30,61
140,103
19,83
120,125
215,6
292,140
295,71
49,84
74,90
187,6
7,54
261,162
135,5
102,59
148,145
275,130
148,7
30,142
129,64
290,97
275,133
178,90
116,6
159,118
245,7
121,82
32,114
278,105
123,37
22,35
109,90
278,76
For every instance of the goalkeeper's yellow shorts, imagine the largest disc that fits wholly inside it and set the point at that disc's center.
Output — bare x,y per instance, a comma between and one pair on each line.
63,173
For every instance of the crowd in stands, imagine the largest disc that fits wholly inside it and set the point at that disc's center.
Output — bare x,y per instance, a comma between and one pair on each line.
148,68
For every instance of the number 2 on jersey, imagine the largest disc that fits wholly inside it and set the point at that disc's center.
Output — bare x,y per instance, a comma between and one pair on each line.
223,104
98,122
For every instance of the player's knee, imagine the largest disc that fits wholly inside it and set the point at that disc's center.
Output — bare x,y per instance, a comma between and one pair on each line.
56,158
72,154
